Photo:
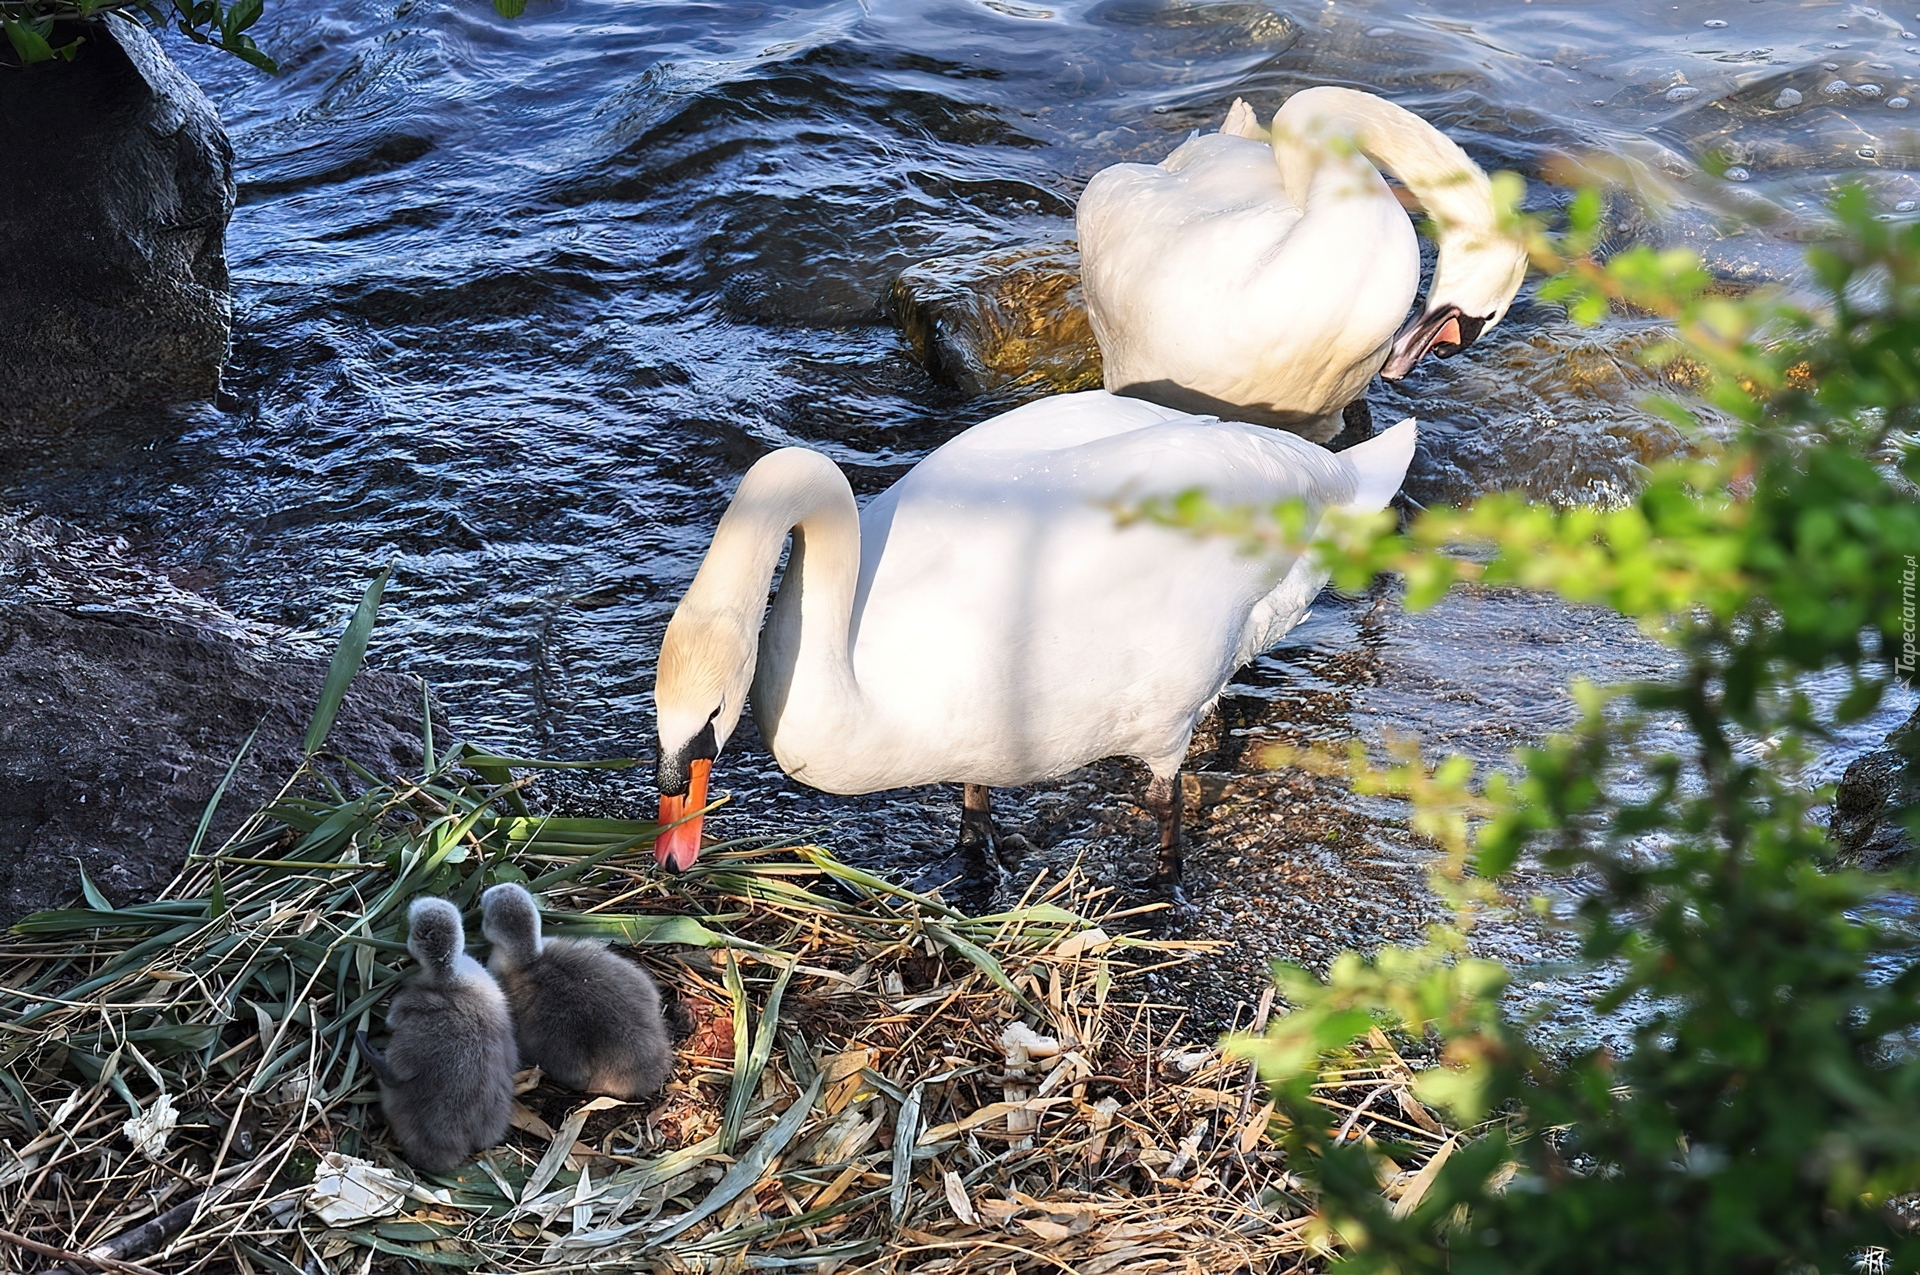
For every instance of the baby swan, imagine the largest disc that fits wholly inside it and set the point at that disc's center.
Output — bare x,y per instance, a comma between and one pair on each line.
446,1081
585,1017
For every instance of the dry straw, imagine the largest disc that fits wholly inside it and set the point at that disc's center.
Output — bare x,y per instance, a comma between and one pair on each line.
874,1081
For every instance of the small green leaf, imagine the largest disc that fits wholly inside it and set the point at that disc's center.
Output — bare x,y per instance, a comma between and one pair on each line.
500,777
426,721
737,1094
213,802
749,1068
27,42
249,52
475,758
240,17
747,1170
510,8
346,662
1861,699
983,961
95,899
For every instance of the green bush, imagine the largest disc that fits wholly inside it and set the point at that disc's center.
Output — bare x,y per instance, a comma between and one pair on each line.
1767,1111
31,30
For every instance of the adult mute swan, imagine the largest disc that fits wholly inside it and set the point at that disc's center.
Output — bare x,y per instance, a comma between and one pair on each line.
1264,280
987,620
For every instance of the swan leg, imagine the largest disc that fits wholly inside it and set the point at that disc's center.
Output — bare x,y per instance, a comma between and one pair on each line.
976,818
978,837
1163,801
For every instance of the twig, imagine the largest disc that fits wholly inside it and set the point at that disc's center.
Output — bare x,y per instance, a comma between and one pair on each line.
1253,1075
141,1239
68,1255
1366,1102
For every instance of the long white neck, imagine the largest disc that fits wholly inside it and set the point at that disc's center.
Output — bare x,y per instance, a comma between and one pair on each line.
710,650
1475,261
1428,162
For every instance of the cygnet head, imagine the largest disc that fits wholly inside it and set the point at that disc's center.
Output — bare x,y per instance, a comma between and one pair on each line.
511,921
435,935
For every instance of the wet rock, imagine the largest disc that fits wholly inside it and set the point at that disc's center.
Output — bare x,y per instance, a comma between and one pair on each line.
116,183
1876,791
1356,426
1006,319
116,728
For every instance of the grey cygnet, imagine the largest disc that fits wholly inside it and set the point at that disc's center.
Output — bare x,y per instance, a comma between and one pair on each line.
585,1017
446,1081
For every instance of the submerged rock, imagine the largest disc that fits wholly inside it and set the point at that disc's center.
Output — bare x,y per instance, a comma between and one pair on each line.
1877,790
1001,320
116,183
116,728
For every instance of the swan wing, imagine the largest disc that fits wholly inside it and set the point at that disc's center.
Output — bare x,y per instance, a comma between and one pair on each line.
1203,274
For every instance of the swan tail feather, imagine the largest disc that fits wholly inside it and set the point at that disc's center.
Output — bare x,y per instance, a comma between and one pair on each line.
1242,122
1380,466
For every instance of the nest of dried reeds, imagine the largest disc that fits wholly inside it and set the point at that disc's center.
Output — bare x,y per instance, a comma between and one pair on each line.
872,1080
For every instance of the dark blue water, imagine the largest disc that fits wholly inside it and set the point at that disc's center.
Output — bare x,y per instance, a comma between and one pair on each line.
517,302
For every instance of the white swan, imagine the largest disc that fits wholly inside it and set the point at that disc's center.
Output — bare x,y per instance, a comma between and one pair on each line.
1264,281
987,620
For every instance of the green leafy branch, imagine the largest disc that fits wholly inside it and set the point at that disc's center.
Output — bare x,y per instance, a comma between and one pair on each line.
31,26
1766,1107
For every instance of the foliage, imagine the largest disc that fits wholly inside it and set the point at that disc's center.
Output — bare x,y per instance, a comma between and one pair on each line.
30,24
1767,1110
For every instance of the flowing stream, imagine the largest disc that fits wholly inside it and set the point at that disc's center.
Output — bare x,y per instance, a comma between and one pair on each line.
517,303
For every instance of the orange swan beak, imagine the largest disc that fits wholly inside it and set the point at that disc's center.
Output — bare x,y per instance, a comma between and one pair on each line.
678,844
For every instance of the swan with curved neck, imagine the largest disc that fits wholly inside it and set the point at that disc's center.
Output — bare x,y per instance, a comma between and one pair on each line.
1262,275
988,620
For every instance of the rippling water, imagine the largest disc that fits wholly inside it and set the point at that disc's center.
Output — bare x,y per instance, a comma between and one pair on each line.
519,301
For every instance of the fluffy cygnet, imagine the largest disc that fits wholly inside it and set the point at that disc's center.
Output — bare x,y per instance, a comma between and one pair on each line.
584,1016
446,1080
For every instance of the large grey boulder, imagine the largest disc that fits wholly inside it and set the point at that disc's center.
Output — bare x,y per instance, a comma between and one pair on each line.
116,183
116,728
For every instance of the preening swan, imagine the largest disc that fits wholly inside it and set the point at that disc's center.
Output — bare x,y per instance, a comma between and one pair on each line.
1263,280
987,620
